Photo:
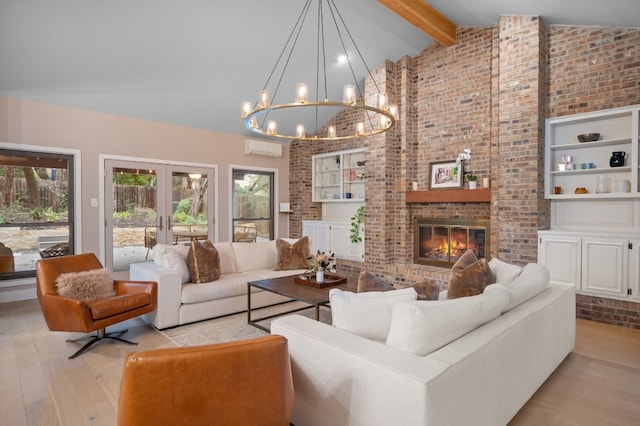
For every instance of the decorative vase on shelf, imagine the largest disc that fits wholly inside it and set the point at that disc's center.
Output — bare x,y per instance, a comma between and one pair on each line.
320,276
473,184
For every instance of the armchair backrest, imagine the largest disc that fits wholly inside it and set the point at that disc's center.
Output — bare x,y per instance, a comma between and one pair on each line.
236,383
48,270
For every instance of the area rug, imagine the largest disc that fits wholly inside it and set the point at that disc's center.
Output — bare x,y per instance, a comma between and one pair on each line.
234,327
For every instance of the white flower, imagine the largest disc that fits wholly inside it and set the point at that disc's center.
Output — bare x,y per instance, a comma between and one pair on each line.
466,155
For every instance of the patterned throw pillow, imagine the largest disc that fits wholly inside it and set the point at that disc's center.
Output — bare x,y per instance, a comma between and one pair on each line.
86,285
203,261
469,276
368,282
292,256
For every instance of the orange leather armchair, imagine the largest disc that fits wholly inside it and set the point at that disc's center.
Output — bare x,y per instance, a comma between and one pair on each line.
133,298
246,382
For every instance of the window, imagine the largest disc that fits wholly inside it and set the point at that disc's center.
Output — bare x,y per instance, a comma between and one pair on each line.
36,209
253,205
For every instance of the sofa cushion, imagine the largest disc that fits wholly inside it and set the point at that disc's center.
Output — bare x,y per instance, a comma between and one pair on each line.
366,314
532,281
469,276
160,250
203,261
422,327
254,256
292,256
504,272
86,285
227,257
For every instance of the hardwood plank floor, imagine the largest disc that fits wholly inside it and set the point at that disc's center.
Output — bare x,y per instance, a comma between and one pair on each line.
597,384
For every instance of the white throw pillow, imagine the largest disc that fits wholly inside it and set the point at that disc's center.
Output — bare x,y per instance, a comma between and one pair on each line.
173,259
366,314
504,272
255,256
422,327
227,257
532,281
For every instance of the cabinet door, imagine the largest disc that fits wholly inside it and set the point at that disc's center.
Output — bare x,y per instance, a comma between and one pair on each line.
309,230
323,237
604,265
561,255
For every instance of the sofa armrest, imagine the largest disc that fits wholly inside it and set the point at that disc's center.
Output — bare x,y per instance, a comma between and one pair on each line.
342,378
169,296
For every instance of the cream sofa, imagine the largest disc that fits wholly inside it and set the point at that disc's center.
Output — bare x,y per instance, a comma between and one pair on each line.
181,302
480,377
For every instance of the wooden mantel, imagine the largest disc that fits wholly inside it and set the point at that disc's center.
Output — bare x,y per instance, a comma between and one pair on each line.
482,195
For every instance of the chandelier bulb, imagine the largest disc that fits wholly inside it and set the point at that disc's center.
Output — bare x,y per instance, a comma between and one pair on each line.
360,128
331,132
393,109
299,131
263,101
246,109
383,101
349,94
302,93
272,127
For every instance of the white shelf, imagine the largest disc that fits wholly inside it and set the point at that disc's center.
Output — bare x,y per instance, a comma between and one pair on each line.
619,129
339,170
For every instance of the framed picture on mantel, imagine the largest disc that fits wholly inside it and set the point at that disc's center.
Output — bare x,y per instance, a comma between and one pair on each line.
446,175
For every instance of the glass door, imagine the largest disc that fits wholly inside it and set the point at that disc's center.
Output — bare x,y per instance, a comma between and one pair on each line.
253,199
148,204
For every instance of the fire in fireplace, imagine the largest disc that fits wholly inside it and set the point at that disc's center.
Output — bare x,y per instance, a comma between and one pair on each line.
441,242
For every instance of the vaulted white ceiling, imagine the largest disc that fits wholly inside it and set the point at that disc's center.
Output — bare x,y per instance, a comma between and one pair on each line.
193,62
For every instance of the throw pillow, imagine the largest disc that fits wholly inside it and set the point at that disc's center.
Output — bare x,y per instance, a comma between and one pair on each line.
427,290
292,256
203,261
369,282
172,259
86,285
366,314
531,282
505,272
469,276
422,327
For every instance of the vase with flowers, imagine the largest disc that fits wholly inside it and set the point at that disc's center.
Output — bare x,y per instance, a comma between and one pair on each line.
321,262
471,178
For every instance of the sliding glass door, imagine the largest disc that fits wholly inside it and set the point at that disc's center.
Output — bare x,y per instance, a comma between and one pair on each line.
148,204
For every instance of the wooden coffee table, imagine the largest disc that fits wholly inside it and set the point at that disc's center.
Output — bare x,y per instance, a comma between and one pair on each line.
285,286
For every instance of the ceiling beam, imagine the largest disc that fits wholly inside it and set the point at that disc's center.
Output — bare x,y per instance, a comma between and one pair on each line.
426,18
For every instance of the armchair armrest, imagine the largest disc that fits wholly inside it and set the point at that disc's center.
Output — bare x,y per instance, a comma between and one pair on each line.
64,314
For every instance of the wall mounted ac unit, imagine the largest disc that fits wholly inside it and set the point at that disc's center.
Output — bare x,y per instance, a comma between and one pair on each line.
266,149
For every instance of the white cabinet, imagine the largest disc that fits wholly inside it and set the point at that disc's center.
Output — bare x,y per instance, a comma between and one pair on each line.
339,176
333,236
618,129
561,255
596,264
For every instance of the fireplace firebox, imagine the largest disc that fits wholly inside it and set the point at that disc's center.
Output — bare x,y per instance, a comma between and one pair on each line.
441,242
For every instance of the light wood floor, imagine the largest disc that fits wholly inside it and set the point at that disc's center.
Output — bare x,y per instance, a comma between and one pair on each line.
598,383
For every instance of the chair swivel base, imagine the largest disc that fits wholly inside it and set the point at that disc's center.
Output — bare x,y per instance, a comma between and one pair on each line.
101,334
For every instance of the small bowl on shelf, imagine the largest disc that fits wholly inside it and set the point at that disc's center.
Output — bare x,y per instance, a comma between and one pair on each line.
581,191
588,137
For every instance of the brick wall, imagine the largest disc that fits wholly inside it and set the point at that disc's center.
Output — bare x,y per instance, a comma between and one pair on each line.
489,92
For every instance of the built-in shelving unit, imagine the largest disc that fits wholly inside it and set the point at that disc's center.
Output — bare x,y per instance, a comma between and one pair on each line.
339,176
618,129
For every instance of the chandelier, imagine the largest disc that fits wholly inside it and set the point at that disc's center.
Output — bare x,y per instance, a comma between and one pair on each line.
260,116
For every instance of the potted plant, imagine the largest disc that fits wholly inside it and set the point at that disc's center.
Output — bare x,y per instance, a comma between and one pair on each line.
321,262
466,156
356,220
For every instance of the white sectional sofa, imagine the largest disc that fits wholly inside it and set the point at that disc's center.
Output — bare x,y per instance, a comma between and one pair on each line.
480,377
181,302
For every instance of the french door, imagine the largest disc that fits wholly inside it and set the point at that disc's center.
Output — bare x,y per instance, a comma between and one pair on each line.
149,203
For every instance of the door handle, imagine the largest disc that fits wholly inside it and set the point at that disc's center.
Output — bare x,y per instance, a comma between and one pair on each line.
169,225
160,225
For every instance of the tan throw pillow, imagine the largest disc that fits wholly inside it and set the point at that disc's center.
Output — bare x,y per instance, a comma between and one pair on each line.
292,256
86,285
426,290
369,282
469,276
203,261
